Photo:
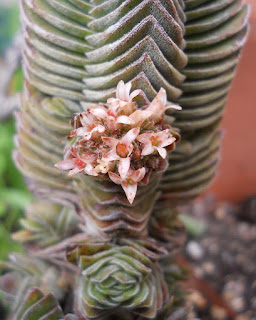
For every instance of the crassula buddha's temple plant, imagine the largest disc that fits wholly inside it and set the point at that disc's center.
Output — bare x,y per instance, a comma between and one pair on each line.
118,125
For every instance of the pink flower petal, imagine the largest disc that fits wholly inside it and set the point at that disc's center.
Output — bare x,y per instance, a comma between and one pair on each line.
130,191
125,120
162,152
130,136
124,166
65,165
111,142
121,90
139,116
99,112
148,149
134,94
78,132
84,120
111,156
115,178
174,106
89,169
164,134
74,171
111,123
138,175
167,142
144,137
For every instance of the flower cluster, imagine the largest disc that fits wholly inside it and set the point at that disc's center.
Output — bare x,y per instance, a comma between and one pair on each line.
120,141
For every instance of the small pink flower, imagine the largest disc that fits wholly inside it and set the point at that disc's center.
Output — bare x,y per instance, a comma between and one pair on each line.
129,183
156,141
109,117
78,163
121,150
123,98
89,127
158,106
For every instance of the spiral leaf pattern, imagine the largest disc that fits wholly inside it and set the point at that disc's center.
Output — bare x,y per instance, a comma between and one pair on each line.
117,277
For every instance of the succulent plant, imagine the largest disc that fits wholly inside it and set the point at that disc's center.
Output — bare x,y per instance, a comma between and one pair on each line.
75,54
115,277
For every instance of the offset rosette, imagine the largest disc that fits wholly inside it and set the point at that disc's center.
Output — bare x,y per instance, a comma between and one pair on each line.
118,277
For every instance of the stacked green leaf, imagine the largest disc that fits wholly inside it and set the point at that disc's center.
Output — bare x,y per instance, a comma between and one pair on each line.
46,223
80,51
215,33
191,167
106,209
43,125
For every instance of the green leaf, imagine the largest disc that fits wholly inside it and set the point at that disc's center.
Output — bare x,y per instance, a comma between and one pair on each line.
194,226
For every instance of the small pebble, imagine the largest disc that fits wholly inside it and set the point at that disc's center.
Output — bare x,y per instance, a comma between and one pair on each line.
218,313
237,304
208,267
197,299
194,250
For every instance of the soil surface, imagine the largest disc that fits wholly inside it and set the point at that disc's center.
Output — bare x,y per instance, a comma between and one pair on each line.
223,260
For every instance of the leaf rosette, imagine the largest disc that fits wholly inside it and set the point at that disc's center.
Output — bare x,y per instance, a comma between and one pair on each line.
117,277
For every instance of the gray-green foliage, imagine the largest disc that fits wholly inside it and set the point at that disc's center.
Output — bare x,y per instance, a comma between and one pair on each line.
75,53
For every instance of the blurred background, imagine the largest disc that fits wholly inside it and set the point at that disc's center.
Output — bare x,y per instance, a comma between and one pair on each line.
221,247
